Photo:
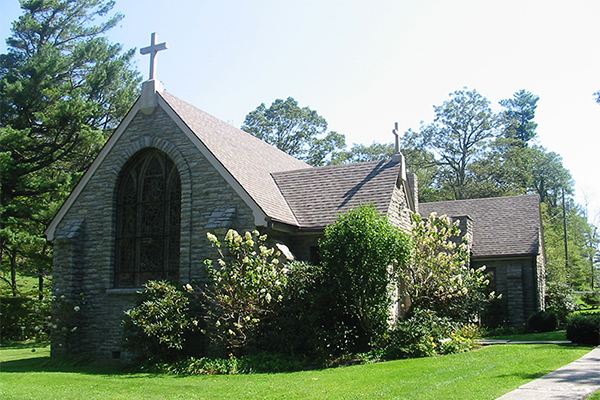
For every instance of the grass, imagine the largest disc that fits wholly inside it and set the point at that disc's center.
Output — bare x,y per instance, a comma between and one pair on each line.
486,373
588,310
548,336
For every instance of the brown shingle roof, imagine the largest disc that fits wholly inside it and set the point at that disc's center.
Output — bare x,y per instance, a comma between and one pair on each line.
248,159
502,226
318,195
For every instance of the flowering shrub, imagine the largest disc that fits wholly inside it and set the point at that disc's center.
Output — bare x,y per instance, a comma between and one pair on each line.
438,276
65,320
157,325
559,299
244,287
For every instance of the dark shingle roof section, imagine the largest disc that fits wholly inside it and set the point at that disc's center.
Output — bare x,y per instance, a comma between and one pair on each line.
248,159
318,195
502,226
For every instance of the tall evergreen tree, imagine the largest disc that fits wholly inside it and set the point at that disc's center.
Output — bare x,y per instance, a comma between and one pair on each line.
63,89
517,118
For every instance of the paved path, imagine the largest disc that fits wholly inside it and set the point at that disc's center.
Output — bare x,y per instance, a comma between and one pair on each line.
574,381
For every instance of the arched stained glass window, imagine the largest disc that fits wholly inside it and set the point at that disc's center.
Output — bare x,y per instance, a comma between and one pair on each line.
148,220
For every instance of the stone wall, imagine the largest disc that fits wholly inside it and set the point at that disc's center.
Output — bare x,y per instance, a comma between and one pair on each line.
85,238
399,212
516,279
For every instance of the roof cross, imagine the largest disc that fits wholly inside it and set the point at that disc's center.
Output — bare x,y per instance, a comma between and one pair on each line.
396,133
152,50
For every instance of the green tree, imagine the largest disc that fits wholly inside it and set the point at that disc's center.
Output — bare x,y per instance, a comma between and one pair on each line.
300,132
362,153
362,254
517,118
461,133
571,262
63,90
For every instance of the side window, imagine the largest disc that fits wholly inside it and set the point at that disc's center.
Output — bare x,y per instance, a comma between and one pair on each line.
148,220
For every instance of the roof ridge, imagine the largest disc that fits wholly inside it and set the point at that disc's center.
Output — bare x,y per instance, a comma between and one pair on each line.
484,198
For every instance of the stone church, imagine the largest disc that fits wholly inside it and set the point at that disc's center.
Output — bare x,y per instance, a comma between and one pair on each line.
170,173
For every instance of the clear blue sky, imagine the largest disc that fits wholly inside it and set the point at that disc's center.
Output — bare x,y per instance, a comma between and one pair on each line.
364,65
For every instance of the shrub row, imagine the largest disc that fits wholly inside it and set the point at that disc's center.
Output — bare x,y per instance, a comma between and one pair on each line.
584,328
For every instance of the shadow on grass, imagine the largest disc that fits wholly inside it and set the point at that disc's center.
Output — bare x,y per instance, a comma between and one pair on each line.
525,376
70,364
28,344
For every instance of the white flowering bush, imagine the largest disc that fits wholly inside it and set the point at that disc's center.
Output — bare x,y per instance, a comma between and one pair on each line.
65,320
245,285
438,276
157,326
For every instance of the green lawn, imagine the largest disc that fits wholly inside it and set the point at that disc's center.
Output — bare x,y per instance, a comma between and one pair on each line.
486,373
549,336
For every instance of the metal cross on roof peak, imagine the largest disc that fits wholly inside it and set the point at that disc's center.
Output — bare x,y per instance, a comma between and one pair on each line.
152,50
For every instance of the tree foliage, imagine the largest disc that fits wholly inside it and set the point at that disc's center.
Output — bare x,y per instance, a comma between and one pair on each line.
362,255
362,153
459,135
300,132
517,117
63,89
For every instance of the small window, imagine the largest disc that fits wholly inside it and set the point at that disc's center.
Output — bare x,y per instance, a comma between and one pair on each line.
148,220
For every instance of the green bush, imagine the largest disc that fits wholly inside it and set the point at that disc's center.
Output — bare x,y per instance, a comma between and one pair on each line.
559,298
495,314
584,328
304,324
258,363
425,334
362,253
592,299
543,321
197,366
157,326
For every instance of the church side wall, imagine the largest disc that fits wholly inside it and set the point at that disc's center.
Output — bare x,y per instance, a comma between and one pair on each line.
85,238
516,280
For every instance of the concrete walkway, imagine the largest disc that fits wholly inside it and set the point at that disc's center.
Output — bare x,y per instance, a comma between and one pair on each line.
574,381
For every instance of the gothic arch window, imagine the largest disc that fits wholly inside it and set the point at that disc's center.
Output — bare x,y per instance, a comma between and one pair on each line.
148,220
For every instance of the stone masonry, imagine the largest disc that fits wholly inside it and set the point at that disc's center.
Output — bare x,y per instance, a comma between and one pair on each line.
85,238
